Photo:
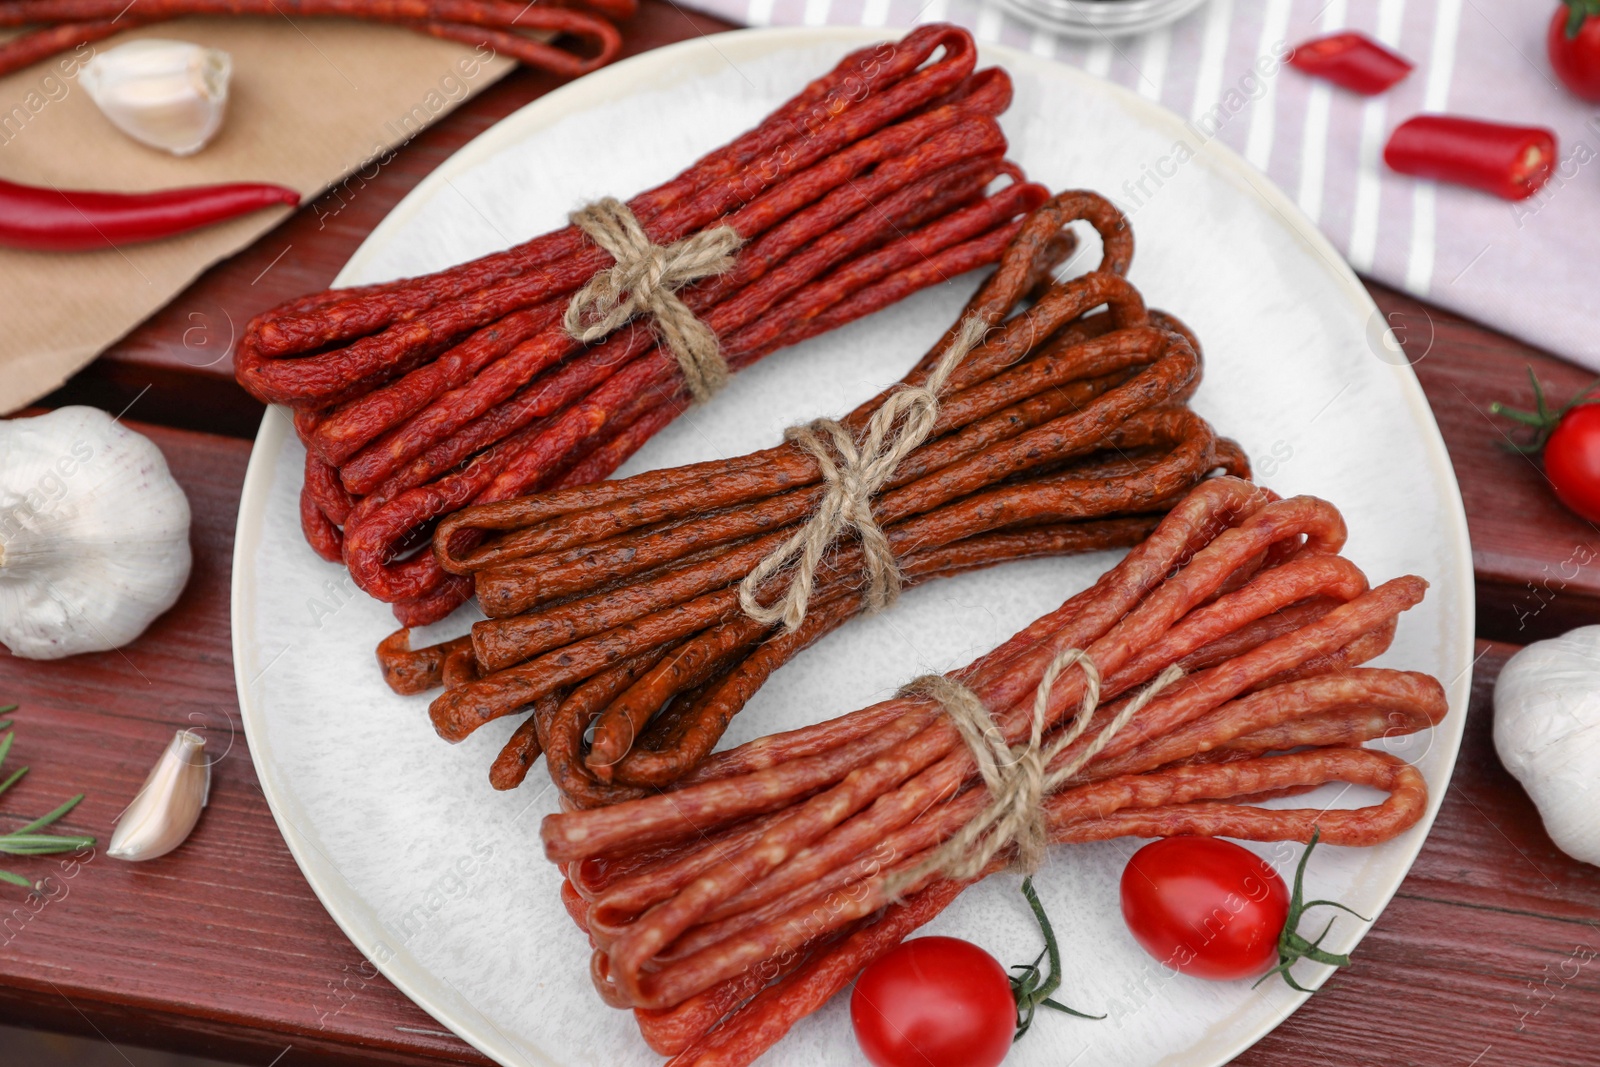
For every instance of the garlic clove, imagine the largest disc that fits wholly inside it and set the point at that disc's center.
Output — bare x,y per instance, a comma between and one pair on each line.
166,94
164,813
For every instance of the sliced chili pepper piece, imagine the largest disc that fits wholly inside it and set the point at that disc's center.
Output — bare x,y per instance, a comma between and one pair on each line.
1352,61
1509,161
68,220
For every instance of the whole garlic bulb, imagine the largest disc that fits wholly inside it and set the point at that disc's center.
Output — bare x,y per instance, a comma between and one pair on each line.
94,534
166,94
1547,731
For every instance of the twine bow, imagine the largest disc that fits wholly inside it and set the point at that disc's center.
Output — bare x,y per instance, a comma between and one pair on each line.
645,281
852,473
1019,777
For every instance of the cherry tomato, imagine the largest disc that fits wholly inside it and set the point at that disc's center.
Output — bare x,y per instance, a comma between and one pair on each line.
1205,907
1572,460
1576,56
934,1002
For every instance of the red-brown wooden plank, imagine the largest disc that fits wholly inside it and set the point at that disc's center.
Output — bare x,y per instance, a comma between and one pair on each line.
221,948
1538,564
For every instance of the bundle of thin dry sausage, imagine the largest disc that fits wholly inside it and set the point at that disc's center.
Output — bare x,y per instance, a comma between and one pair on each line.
533,34
616,607
419,397
736,903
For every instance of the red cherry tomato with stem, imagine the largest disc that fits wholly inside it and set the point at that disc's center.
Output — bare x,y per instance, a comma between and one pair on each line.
1573,42
1569,437
1213,909
944,1002
934,1002
1572,460
1206,907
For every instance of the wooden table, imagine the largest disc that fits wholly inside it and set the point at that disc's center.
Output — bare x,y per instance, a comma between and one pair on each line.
1487,956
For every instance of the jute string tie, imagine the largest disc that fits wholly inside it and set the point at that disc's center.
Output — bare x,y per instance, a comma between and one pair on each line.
1019,777
852,473
645,281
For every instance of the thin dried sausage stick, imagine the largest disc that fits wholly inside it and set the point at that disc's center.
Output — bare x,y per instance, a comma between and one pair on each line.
481,22
511,766
1417,698
408,670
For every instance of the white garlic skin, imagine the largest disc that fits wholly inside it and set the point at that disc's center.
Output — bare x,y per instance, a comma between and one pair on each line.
1547,731
170,95
164,813
94,534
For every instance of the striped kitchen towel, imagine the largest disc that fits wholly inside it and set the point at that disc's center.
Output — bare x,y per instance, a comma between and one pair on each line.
1531,269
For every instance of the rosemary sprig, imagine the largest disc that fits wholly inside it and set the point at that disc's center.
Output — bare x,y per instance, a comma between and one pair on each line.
1032,987
26,840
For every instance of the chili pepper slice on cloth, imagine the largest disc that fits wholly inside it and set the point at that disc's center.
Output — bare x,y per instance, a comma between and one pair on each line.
1509,161
1352,61
68,220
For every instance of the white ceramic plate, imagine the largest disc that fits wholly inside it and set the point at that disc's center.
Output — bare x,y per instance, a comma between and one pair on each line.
440,881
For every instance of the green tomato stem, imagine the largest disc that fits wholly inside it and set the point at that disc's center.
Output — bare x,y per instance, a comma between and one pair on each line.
1292,946
1032,988
1543,420
1578,12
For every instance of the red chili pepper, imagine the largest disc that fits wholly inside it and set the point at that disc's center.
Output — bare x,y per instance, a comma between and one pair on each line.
1508,161
1352,60
59,220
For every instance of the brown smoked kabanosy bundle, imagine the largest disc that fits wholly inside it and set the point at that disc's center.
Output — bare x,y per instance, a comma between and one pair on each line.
419,397
617,607
739,901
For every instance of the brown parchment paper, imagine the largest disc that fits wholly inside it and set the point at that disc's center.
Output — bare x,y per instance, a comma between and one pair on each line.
311,101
